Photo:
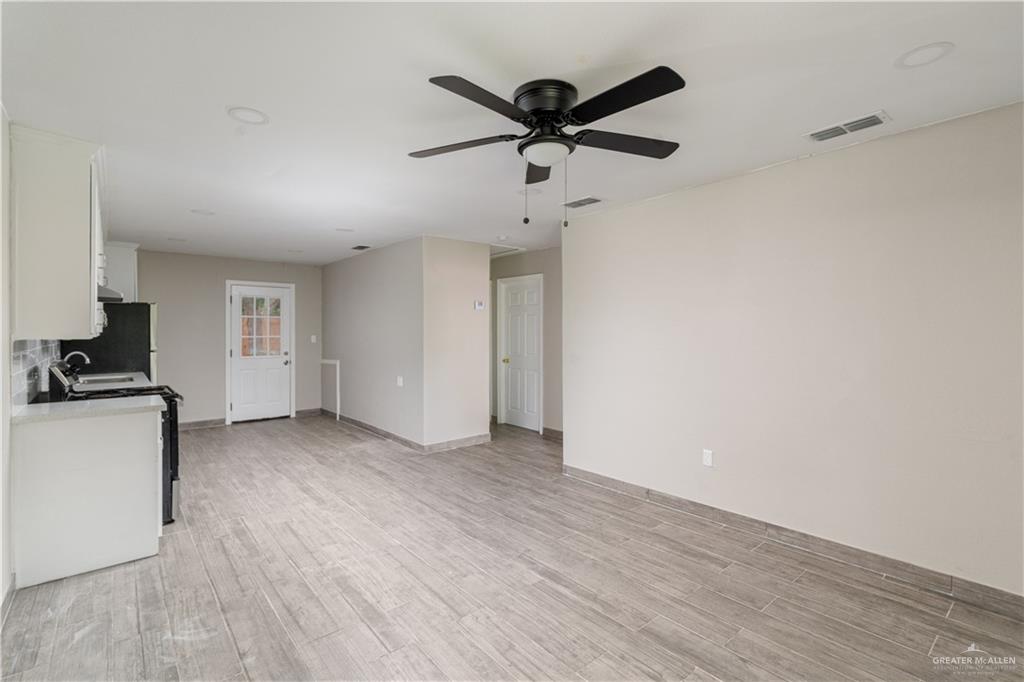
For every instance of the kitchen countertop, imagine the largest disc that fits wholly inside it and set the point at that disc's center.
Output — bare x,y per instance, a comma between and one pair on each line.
137,380
82,409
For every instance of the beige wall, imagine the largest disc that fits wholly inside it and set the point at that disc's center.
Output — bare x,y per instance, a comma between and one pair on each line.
407,310
455,339
373,324
6,560
547,262
844,332
190,317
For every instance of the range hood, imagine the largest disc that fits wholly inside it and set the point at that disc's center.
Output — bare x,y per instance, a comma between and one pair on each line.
105,294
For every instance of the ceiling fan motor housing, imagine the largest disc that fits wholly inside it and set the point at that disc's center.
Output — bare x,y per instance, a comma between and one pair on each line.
542,98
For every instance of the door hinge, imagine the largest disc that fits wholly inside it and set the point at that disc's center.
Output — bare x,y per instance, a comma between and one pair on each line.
231,406
231,299
231,352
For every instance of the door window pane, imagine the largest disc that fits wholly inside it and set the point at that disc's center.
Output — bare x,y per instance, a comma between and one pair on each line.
260,326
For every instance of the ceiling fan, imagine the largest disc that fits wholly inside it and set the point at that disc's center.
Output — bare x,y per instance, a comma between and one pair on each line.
548,106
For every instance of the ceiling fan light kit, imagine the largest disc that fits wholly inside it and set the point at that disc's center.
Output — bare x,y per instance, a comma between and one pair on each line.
546,107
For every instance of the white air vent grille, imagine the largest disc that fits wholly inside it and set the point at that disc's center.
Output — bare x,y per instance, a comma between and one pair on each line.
869,121
579,203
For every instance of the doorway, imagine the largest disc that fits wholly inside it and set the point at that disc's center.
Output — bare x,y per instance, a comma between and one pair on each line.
260,327
520,357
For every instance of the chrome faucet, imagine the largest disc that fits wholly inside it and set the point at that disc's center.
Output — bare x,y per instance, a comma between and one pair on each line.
78,352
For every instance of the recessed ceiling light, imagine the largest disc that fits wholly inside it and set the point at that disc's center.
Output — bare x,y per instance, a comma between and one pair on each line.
529,190
502,237
176,239
201,211
924,55
248,115
344,229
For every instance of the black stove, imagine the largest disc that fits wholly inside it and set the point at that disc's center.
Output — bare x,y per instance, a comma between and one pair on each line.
169,427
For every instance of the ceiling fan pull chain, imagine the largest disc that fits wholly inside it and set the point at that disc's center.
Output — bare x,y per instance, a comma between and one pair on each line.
526,195
565,194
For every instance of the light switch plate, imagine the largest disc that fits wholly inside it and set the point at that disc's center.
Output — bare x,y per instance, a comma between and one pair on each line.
708,458
312,339
478,305
400,381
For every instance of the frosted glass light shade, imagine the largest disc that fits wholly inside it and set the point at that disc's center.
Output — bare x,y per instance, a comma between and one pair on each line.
546,153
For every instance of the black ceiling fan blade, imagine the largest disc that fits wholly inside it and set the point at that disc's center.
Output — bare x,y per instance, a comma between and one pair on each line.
537,173
628,144
462,87
468,144
658,81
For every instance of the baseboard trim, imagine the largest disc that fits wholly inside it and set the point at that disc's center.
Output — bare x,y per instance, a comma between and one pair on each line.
8,599
200,424
961,589
552,434
425,449
313,412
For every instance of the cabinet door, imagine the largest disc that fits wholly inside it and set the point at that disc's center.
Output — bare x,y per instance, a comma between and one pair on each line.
99,319
53,198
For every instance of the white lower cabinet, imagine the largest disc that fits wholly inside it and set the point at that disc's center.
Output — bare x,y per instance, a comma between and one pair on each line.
86,493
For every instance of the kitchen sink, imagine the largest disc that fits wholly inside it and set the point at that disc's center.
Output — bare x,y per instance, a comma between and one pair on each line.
109,379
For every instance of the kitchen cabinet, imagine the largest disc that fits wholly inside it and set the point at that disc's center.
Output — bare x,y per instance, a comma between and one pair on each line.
87,481
121,268
56,236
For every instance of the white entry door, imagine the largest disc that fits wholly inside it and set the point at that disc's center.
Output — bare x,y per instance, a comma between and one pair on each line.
520,367
260,355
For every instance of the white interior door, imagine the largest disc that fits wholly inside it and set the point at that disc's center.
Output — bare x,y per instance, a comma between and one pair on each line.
261,362
520,364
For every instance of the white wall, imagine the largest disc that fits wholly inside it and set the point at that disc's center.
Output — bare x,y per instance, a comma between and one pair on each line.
189,291
845,332
547,262
455,339
373,324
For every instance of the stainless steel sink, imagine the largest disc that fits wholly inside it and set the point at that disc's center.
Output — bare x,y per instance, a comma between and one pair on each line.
110,379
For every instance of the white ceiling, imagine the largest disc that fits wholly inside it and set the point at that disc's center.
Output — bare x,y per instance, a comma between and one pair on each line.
345,86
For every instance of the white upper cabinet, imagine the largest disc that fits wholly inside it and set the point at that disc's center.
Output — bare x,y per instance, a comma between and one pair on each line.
56,236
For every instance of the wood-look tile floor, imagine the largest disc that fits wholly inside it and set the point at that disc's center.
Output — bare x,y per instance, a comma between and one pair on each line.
309,549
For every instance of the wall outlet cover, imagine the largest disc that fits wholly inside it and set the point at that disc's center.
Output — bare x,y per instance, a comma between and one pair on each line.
400,381
708,458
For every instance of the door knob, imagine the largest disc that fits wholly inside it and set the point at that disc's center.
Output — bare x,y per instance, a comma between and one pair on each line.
505,360
287,361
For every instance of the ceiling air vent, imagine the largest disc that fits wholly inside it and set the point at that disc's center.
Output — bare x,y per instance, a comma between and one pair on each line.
580,203
869,121
827,133
361,247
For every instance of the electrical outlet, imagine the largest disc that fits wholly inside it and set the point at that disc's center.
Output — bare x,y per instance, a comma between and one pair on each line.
312,338
400,381
708,458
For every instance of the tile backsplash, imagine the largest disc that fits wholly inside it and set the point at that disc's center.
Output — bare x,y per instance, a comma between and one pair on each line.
30,363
